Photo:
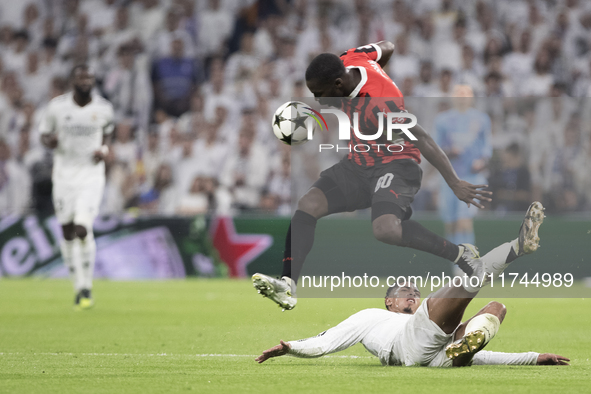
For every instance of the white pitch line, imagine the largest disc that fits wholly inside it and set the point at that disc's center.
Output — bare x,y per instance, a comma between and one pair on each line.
152,355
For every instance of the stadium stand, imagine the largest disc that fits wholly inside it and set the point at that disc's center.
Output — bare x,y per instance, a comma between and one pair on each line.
197,138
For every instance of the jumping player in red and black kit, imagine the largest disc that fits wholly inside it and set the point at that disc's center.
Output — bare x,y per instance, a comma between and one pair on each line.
380,179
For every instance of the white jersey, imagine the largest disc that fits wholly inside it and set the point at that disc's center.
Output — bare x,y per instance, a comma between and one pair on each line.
80,132
397,339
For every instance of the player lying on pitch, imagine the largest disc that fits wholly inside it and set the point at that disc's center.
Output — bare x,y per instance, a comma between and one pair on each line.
430,333
383,180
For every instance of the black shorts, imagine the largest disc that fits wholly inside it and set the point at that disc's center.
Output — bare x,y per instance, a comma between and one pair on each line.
386,188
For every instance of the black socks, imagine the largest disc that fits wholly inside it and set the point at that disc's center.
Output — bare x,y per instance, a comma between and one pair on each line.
298,243
415,236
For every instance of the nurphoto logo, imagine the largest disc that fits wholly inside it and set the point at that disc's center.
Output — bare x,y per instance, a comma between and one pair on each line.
294,123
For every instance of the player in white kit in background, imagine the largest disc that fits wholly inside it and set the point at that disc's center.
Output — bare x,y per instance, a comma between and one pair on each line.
78,126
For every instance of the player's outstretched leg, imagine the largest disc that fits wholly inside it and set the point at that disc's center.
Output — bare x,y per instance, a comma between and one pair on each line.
278,290
498,259
312,206
390,229
483,327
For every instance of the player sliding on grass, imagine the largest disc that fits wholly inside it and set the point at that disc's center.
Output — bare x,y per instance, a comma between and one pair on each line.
383,180
431,333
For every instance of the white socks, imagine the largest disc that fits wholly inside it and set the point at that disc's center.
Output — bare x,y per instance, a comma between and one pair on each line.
79,257
497,260
71,256
88,257
487,323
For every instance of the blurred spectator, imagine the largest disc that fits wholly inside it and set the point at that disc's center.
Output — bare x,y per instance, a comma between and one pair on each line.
279,192
563,189
200,199
175,78
15,58
464,134
510,181
101,14
50,63
186,166
161,197
242,64
215,26
35,81
148,18
404,63
128,87
245,172
161,43
192,121
538,84
147,56
152,158
426,87
210,151
14,183
124,148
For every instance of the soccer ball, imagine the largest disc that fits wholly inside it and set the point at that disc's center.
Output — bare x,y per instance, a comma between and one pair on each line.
289,122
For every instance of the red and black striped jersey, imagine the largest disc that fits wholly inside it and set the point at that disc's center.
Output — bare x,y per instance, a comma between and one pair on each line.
375,93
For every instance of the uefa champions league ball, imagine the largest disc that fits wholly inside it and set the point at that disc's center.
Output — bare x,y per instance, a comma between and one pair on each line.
290,122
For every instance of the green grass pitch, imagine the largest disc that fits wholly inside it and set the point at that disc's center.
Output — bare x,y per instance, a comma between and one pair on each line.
202,336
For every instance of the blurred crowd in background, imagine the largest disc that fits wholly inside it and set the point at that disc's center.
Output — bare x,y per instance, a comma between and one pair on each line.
194,84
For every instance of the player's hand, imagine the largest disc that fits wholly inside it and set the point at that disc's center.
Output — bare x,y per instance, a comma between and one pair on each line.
50,140
469,193
552,359
280,350
98,156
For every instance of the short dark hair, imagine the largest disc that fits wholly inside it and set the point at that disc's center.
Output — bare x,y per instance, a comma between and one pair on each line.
513,149
21,34
326,67
493,75
49,43
81,66
392,289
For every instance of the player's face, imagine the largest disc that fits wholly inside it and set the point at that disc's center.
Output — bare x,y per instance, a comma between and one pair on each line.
323,91
406,300
83,80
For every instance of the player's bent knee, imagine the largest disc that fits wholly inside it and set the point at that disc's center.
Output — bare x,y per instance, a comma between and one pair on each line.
498,309
81,231
387,231
68,232
314,203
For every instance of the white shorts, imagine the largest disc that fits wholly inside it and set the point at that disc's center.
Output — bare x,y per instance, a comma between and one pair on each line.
422,342
77,204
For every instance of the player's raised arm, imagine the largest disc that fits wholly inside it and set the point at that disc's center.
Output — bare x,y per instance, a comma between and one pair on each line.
465,191
387,49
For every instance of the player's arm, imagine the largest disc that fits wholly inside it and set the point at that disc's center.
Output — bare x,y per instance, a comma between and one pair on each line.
47,129
101,153
276,351
465,191
344,335
49,140
485,357
387,49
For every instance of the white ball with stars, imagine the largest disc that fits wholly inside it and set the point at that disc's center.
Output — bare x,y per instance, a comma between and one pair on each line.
289,123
